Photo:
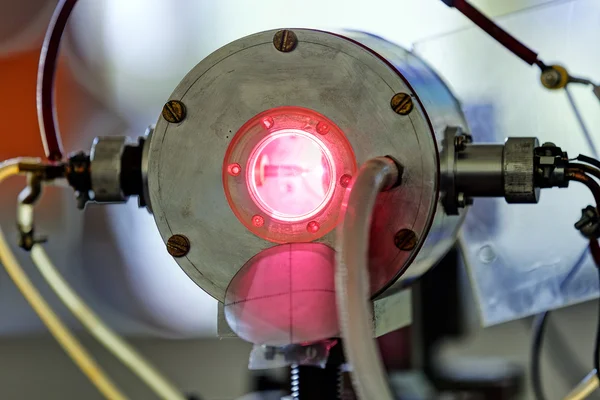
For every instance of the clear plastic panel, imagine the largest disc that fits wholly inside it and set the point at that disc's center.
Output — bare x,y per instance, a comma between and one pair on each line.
524,259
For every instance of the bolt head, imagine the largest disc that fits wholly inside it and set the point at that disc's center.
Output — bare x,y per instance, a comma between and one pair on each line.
402,103
551,78
285,41
405,239
174,111
178,246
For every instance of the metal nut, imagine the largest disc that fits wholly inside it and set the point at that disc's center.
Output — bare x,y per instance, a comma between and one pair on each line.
285,41
462,201
174,111
405,239
178,245
402,103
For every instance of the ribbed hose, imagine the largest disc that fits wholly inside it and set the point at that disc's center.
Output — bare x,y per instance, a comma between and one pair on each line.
352,280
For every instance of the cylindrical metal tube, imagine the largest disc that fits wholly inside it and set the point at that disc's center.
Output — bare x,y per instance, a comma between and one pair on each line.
479,171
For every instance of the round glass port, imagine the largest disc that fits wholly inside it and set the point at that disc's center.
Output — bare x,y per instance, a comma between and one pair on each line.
286,172
290,175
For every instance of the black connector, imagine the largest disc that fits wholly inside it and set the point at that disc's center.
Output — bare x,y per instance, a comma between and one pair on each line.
78,174
550,163
131,171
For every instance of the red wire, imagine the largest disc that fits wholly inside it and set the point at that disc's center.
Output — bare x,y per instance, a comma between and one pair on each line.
45,84
499,34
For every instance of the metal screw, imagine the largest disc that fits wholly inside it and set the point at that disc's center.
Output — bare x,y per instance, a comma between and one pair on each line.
551,78
178,245
174,111
285,41
405,239
402,103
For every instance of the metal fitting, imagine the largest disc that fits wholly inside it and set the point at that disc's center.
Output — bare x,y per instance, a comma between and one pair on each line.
589,223
114,170
554,77
105,167
486,170
550,164
518,171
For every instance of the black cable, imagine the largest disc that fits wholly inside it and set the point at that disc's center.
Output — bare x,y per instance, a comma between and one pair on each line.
588,160
539,325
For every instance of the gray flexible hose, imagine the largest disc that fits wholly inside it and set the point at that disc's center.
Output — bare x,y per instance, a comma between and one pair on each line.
352,280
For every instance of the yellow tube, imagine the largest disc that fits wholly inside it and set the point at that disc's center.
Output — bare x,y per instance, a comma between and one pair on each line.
110,339
586,387
61,333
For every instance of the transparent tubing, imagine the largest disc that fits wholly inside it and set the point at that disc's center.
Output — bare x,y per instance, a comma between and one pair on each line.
352,280
109,339
585,388
61,333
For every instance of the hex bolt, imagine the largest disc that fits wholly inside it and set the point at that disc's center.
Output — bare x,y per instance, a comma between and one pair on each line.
402,103
405,239
174,111
285,41
178,246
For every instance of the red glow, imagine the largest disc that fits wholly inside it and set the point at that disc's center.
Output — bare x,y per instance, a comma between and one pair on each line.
290,175
268,122
322,128
345,180
234,169
313,227
258,221
283,174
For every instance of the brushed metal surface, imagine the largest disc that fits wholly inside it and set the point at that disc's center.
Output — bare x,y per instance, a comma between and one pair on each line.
443,110
105,159
325,72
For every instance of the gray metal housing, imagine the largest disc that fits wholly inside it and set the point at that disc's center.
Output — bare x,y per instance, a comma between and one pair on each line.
337,77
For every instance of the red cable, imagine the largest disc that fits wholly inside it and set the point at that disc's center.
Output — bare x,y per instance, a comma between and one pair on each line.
45,84
497,33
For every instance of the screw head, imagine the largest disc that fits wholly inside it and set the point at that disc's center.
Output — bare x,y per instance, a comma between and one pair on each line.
174,111
234,169
551,78
178,246
322,128
313,227
345,180
405,239
402,103
285,41
258,221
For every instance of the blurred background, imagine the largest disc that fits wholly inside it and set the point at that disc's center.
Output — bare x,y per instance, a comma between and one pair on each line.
121,60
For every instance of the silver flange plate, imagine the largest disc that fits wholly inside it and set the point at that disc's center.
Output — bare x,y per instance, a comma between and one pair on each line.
327,73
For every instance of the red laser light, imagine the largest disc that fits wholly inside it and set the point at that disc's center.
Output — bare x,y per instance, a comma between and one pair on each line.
289,175
284,174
